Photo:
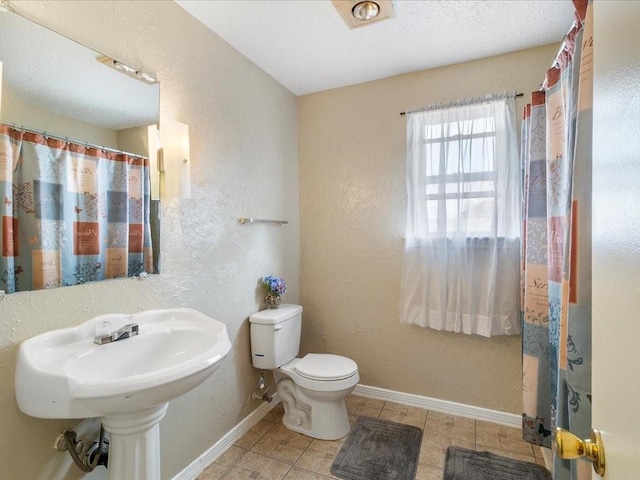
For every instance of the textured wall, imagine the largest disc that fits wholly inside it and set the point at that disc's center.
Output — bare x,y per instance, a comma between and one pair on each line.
244,163
352,209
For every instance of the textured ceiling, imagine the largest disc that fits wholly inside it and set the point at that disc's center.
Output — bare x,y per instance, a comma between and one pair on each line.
305,45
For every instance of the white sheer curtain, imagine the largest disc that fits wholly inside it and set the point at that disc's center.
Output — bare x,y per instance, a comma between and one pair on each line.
462,253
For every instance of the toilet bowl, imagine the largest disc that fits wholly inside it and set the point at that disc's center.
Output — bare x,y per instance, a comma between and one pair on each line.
312,388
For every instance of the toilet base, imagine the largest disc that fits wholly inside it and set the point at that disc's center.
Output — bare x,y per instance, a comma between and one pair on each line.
321,415
329,421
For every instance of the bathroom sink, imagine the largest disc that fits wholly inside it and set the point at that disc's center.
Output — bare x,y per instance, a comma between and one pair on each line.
64,374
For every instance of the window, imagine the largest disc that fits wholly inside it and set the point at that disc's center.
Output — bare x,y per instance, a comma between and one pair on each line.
461,267
463,190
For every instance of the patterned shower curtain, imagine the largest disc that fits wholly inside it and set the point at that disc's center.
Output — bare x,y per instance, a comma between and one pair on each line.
557,249
70,214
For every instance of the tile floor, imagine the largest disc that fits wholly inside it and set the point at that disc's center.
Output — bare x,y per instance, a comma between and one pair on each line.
271,452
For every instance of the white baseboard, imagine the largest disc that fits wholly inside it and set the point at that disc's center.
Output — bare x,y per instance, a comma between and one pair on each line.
444,406
196,467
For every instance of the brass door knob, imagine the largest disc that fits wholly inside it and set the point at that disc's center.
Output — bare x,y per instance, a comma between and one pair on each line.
568,446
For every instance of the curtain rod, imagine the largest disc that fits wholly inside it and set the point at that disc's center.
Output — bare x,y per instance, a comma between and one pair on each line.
517,95
77,142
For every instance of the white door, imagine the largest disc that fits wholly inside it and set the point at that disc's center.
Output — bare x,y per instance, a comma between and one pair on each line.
616,235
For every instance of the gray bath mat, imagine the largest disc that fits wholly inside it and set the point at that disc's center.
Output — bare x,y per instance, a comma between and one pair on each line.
463,464
379,450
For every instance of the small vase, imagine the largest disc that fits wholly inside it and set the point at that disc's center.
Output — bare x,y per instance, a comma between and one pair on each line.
272,300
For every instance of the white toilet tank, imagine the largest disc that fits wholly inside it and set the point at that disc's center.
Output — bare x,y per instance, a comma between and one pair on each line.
275,336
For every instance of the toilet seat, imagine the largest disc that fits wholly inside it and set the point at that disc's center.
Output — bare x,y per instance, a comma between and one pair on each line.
324,384
325,367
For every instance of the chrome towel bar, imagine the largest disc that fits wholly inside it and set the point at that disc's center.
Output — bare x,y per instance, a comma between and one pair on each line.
244,221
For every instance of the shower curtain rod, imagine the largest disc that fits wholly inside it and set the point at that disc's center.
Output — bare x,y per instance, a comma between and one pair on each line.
517,95
77,142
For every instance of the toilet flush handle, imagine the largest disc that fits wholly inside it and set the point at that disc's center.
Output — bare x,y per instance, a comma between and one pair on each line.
277,327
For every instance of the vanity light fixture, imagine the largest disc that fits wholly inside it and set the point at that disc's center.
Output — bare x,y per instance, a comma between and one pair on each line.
153,142
145,77
127,70
174,160
0,87
357,13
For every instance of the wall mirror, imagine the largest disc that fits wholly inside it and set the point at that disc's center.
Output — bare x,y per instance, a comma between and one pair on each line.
55,89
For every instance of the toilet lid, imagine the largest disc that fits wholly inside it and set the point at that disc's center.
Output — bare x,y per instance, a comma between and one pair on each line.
324,366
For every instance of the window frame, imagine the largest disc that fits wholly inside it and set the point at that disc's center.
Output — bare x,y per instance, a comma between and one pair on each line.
441,181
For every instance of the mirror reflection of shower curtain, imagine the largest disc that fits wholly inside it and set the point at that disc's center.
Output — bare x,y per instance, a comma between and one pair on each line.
70,213
557,250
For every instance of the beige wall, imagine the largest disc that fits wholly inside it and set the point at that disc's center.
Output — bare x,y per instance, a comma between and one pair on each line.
20,113
244,163
352,208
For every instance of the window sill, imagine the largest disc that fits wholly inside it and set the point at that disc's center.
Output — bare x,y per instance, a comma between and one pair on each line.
469,242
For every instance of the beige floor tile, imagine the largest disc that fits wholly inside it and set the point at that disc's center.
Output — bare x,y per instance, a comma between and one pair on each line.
434,448
274,448
282,444
537,452
230,456
427,472
363,406
275,414
396,412
300,474
253,466
502,438
460,428
212,472
352,419
250,438
319,456
541,462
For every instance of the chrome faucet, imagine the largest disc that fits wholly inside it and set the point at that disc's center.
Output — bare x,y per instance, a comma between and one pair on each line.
129,330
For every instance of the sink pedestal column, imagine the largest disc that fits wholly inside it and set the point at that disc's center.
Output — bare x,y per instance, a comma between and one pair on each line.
134,448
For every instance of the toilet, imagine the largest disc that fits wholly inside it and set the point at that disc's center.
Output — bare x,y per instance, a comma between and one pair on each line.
312,388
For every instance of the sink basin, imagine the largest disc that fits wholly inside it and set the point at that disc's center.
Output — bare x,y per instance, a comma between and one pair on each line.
129,382
63,374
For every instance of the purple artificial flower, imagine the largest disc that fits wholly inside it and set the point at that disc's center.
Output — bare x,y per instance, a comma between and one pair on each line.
274,285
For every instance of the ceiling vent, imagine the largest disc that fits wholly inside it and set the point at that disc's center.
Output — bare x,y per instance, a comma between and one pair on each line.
357,13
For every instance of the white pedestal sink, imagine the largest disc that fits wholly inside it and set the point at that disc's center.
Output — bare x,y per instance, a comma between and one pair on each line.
129,382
